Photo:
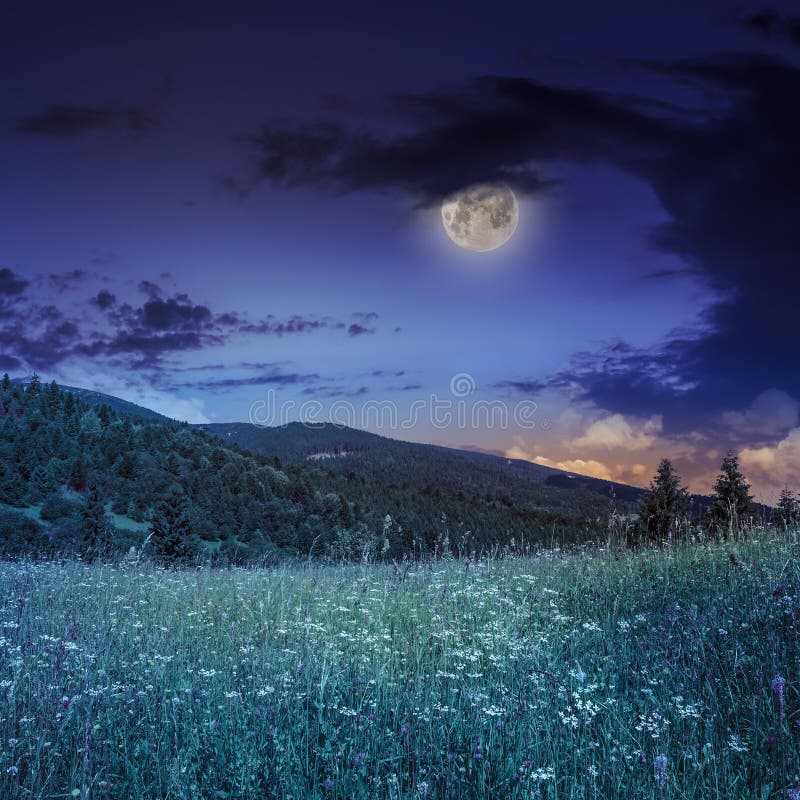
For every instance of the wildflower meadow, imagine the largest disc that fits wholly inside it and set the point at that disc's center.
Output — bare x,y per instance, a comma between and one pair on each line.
594,673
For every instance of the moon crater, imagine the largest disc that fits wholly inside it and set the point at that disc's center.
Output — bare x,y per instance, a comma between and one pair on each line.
481,217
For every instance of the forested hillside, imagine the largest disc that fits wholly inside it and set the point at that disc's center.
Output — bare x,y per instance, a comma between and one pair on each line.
428,468
75,477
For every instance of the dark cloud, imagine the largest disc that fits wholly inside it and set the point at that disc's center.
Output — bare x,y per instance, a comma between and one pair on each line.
63,121
176,313
64,281
38,337
152,290
130,337
103,300
272,378
627,380
380,373
149,347
524,386
330,392
409,387
228,318
357,329
295,324
263,364
487,132
364,324
11,284
773,24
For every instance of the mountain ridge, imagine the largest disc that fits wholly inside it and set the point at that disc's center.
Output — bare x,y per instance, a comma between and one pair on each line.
519,467
72,463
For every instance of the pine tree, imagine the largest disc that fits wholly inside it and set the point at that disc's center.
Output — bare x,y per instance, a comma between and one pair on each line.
52,400
171,535
94,526
731,504
79,473
69,403
33,388
41,484
666,505
12,485
788,510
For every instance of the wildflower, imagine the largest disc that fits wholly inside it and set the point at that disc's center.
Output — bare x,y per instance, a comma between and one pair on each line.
736,744
793,794
778,689
422,788
661,768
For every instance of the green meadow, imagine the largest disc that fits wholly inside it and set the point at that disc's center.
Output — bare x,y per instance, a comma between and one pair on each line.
593,673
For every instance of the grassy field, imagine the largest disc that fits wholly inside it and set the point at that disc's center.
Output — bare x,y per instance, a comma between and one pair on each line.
595,674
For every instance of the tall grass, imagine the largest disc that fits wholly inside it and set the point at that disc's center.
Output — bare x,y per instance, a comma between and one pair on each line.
594,674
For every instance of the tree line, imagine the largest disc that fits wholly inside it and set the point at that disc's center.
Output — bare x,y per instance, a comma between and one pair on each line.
664,511
98,481
95,480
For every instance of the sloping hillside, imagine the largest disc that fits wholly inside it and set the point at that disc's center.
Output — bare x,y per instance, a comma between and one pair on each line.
68,468
424,467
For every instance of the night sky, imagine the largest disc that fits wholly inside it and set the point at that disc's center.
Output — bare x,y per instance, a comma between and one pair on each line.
200,210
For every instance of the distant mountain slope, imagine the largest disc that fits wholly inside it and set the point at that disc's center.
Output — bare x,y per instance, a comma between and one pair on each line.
553,477
74,468
424,467
95,399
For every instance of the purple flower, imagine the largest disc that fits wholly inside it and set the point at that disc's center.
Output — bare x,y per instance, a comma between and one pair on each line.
793,794
661,768
778,690
404,730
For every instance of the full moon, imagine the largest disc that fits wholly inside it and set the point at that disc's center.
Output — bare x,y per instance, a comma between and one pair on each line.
481,217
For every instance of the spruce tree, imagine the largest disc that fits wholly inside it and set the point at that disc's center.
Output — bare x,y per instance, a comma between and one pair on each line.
33,388
788,510
666,505
52,400
94,526
731,504
79,473
41,484
12,485
171,536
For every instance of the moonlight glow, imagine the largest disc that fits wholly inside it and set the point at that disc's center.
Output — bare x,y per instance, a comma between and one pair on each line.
481,217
